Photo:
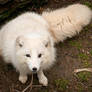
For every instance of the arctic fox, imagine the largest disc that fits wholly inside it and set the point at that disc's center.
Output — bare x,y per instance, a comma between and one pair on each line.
28,40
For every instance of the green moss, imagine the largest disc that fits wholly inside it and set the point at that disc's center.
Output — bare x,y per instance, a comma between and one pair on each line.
80,88
86,28
90,89
86,64
83,56
90,25
61,44
61,84
84,76
87,3
90,52
75,44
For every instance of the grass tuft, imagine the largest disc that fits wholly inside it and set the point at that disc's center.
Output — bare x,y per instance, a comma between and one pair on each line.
61,84
84,76
76,44
87,3
90,52
86,64
83,56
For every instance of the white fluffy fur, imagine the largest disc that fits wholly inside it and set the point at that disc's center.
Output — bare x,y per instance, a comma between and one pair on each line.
33,34
67,22
31,31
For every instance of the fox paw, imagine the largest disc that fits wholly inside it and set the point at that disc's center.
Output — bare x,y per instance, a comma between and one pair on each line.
23,79
43,81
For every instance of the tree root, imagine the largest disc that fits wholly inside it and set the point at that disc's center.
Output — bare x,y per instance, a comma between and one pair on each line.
83,69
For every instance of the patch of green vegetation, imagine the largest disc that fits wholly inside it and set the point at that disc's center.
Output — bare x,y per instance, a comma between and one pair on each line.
61,44
80,88
86,28
83,56
61,84
90,25
90,89
86,64
87,3
75,44
90,52
84,76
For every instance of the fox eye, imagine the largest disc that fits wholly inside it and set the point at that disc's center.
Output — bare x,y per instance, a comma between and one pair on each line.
39,55
20,45
28,55
46,45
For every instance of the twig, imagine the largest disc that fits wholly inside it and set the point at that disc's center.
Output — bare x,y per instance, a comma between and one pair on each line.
83,69
29,86
16,90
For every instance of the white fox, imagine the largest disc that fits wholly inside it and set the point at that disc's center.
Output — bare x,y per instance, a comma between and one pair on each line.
27,42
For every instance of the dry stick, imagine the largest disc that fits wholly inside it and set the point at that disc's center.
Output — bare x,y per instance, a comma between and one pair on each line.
16,90
83,69
29,86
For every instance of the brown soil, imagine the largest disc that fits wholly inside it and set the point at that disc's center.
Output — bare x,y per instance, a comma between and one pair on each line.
69,57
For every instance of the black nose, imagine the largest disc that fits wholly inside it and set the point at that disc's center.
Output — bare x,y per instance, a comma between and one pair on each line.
34,69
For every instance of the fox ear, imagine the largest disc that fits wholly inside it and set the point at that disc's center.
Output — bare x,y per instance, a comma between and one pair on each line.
19,41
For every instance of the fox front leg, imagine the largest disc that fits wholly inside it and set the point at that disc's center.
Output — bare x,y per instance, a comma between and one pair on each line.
42,78
23,78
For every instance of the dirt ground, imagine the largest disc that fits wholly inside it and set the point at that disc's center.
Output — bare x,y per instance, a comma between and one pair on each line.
71,54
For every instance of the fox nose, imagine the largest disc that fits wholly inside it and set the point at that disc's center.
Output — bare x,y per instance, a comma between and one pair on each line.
34,69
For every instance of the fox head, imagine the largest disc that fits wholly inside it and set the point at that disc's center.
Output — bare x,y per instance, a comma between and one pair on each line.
35,51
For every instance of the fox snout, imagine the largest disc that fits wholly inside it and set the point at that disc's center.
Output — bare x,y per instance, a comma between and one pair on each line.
34,67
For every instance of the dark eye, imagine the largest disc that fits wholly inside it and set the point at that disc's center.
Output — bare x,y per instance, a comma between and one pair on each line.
28,55
20,45
39,55
46,45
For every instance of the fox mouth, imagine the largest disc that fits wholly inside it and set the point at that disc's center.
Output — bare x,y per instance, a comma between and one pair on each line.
34,70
